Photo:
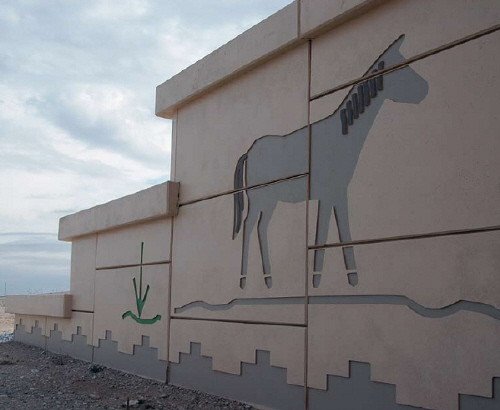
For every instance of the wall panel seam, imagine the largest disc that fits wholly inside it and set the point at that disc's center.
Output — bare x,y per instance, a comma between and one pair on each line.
407,237
409,61
234,191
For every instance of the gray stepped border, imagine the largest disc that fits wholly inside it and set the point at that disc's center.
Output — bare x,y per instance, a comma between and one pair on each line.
258,383
144,362
358,392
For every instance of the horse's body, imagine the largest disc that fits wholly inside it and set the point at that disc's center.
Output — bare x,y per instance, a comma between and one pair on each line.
336,144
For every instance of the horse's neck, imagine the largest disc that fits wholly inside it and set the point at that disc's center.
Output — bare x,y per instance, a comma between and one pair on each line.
361,128
330,136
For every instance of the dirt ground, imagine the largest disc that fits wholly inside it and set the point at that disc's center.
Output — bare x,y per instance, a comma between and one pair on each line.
32,378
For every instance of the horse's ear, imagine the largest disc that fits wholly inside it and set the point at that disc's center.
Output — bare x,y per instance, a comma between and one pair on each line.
398,42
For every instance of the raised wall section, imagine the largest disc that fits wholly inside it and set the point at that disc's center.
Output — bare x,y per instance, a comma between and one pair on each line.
120,282
338,237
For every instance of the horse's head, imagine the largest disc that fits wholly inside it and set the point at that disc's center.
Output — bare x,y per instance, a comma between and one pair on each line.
403,85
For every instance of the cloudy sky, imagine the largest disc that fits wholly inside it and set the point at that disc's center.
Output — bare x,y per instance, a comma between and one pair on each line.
77,124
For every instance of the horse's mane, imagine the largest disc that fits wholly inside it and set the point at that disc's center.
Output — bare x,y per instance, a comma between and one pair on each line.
372,66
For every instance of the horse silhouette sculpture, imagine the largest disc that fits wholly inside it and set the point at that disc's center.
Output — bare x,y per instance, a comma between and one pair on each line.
336,144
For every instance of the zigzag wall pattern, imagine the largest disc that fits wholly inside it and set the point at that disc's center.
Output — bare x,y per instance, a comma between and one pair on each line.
258,383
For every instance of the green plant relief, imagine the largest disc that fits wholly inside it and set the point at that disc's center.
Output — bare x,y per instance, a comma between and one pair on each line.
140,300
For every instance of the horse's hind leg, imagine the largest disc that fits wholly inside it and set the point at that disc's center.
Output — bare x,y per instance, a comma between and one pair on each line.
342,215
323,222
250,220
265,218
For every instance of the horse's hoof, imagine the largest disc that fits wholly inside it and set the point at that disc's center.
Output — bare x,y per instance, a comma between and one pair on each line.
316,280
269,281
243,282
353,278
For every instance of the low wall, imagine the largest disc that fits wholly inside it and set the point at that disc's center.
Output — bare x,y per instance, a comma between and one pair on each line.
54,305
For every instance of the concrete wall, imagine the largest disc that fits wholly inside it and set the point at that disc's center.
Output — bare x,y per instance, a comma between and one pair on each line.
337,240
120,285
120,311
55,305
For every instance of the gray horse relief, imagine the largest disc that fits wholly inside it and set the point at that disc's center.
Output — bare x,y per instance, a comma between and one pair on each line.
336,143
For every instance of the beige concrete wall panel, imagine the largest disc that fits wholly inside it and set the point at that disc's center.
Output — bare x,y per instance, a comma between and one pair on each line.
444,146
433,272
173,148
230,344
30,322
115,297
50,304
259,42
69,327
319,15
430,360
346,52
217,129
122,247
207,262
159,201
83,261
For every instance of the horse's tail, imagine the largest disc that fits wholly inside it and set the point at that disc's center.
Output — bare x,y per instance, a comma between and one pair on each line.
239,203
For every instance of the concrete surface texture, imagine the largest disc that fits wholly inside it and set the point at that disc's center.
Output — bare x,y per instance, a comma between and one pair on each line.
337,236
277,93
83,263
430,360
79,323
279,30
77,346
143,360
231,344
120,247
259,382
215,260
136,318
159,201
55,304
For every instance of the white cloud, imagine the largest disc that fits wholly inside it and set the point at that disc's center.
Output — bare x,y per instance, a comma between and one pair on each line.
77,92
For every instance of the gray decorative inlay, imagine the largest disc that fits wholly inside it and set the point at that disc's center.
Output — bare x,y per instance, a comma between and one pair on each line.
78,347
260,383
34,339
482,403
436,313
144,362
356,392
240,302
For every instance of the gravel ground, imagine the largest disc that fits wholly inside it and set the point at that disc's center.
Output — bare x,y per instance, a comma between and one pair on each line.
32,378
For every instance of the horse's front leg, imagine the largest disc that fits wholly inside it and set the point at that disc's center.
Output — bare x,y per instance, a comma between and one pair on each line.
322,224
